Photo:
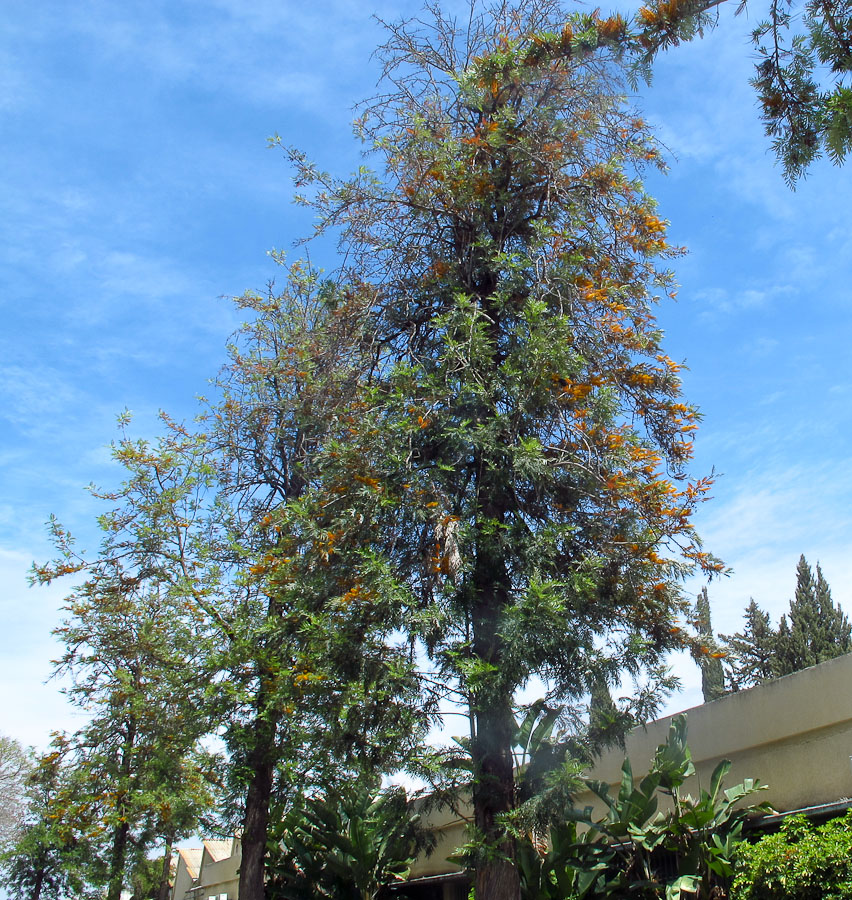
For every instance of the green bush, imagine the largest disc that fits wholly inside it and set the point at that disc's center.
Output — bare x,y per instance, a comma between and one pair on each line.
801,862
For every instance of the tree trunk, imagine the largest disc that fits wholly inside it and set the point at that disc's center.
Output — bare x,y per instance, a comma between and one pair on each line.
494,784
117,857
39,882
122,830
165,877
261,762
493,795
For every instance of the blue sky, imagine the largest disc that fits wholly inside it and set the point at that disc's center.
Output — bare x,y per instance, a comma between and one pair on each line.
137,191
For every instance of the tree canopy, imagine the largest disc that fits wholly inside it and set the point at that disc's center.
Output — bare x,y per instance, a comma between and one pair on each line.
802,68
813,630
523,448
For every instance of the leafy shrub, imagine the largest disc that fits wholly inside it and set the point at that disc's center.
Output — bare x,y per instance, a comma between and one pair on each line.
618,855
349,844
801,862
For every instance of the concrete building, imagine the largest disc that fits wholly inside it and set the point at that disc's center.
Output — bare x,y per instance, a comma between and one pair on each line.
209,872
794,734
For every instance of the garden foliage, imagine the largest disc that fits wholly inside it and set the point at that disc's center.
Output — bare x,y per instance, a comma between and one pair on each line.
802,861
646,823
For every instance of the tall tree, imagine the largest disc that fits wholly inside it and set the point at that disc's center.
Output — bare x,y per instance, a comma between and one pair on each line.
836,637
750,652
710,660
817,630
318,683
289,622
525,442
132,656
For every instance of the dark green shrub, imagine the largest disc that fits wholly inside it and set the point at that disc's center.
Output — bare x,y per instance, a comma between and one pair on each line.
351,843
801,862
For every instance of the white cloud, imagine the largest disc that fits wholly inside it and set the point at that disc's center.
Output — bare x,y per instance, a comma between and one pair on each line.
763,522
32,707
721,302
35,399
761,347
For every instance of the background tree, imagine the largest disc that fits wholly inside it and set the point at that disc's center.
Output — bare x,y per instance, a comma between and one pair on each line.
606,722
710,660
523,420
317,686
817,630
751,651
46,861
15,764
133,658
812,631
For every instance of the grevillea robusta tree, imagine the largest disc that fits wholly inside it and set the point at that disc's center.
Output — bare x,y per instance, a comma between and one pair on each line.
520,446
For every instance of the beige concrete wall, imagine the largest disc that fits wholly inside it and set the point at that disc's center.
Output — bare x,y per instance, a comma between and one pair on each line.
450,833
794,734
449,839
218,878
184,880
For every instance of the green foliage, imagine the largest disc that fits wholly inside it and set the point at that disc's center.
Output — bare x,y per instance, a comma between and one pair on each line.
709,657
46,860
352,843
801,861
813,630
145,879
818,630
616,856
751,652
801,85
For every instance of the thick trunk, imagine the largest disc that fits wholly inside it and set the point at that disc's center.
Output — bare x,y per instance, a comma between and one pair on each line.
165,876
117,858
493,796
39,882
494,785
261,763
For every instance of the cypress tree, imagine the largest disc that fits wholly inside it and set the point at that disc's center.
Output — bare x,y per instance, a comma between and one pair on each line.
709,657
813,630
836,632
818,630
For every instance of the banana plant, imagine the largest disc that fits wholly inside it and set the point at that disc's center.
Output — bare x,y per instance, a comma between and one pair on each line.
700,833
350,844
618,854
